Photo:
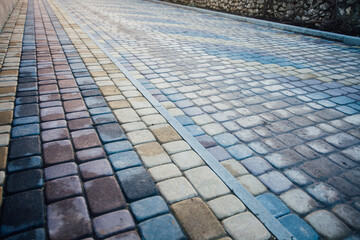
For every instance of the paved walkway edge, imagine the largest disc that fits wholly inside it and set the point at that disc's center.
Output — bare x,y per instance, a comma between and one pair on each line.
307,31
272,224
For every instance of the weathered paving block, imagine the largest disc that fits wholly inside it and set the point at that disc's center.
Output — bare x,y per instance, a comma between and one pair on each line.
176,146
348,215
60,170
26,180
322,168
164,172
23,211
324,193
85,139
207,184
252,184
176,189
245,226
90,154
104,195
140,137
58,152
124,160
51,114
26,110
24,164
197,219
25,146
62,188
273,204
95,169
78,124
68,219
275,181
152,154
226,206
299,201
187,160
55,134
136,183
111,223
36,234
110,132
119,146
298,227
148,208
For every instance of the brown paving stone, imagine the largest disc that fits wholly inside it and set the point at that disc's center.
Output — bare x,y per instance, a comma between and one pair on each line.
49,97
74,106
197,219
47,89
165,133
55,134
62,188
118,104
5,90
70,96
68,219
58,152
6,117
95,169
90,154
109,90
67,83
85,139
104,195
112,223
81,123
3,157
52,113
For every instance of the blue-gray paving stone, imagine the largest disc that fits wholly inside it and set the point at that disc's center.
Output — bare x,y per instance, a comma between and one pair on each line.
104,118
184,120
226,139
27,93
26,120
26,110
110,132
136,183
272,203
99,110
219,153
240,151
346,110
84,81
25,100
318,95
25,180
256,165
24,164
149,208
25,130
326,103
28,86
164,227
176,97
88,87
124,160
195,130
22,211
298,227
259,147
276,181
81,74
36,234
25,146
342,100
192,111
95,96
60,170
184,104
206,141
116,147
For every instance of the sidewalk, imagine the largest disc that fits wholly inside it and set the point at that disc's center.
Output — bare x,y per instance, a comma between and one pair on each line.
109,137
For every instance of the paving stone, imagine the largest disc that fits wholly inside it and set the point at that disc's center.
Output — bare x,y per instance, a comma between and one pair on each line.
58,152
353,153
275,181
78,124
225,139
298,227
344,186
74,106
298,177
322,168
284,158
353,176
90,154
195,130
176,147
111,223
342,140
328,225
22,211
25,146
226,206
273,204
26,110
348,215
240,151
310,133
251,121
124,160
3,157
85,139
25,120
206,141
68,219
53,124
131,235
24,164
139,137
252,184
176,189
115,147
165,133
126,115
36,234
221,154
109,90
55,134
152,154
110,132
51,114
62,188
306,151
95,169
187,160
104,118
95,101
207,184
6,117
136,183
234,167
162,227
77,115
104,195
60,170
148,208
321,146
256,165
299,201
163,172
324,193
26,180
245,226
197,219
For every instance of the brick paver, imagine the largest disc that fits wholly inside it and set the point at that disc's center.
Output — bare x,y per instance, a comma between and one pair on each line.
87,156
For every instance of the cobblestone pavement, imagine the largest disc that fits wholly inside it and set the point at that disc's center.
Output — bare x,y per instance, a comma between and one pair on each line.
90,158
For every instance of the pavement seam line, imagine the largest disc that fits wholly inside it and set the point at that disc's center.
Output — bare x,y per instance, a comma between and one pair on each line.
250,201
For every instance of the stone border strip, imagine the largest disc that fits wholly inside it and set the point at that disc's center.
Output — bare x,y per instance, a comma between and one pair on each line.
350,40
273,225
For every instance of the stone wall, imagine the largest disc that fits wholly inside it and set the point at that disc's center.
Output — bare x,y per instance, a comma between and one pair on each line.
341,16
6,7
